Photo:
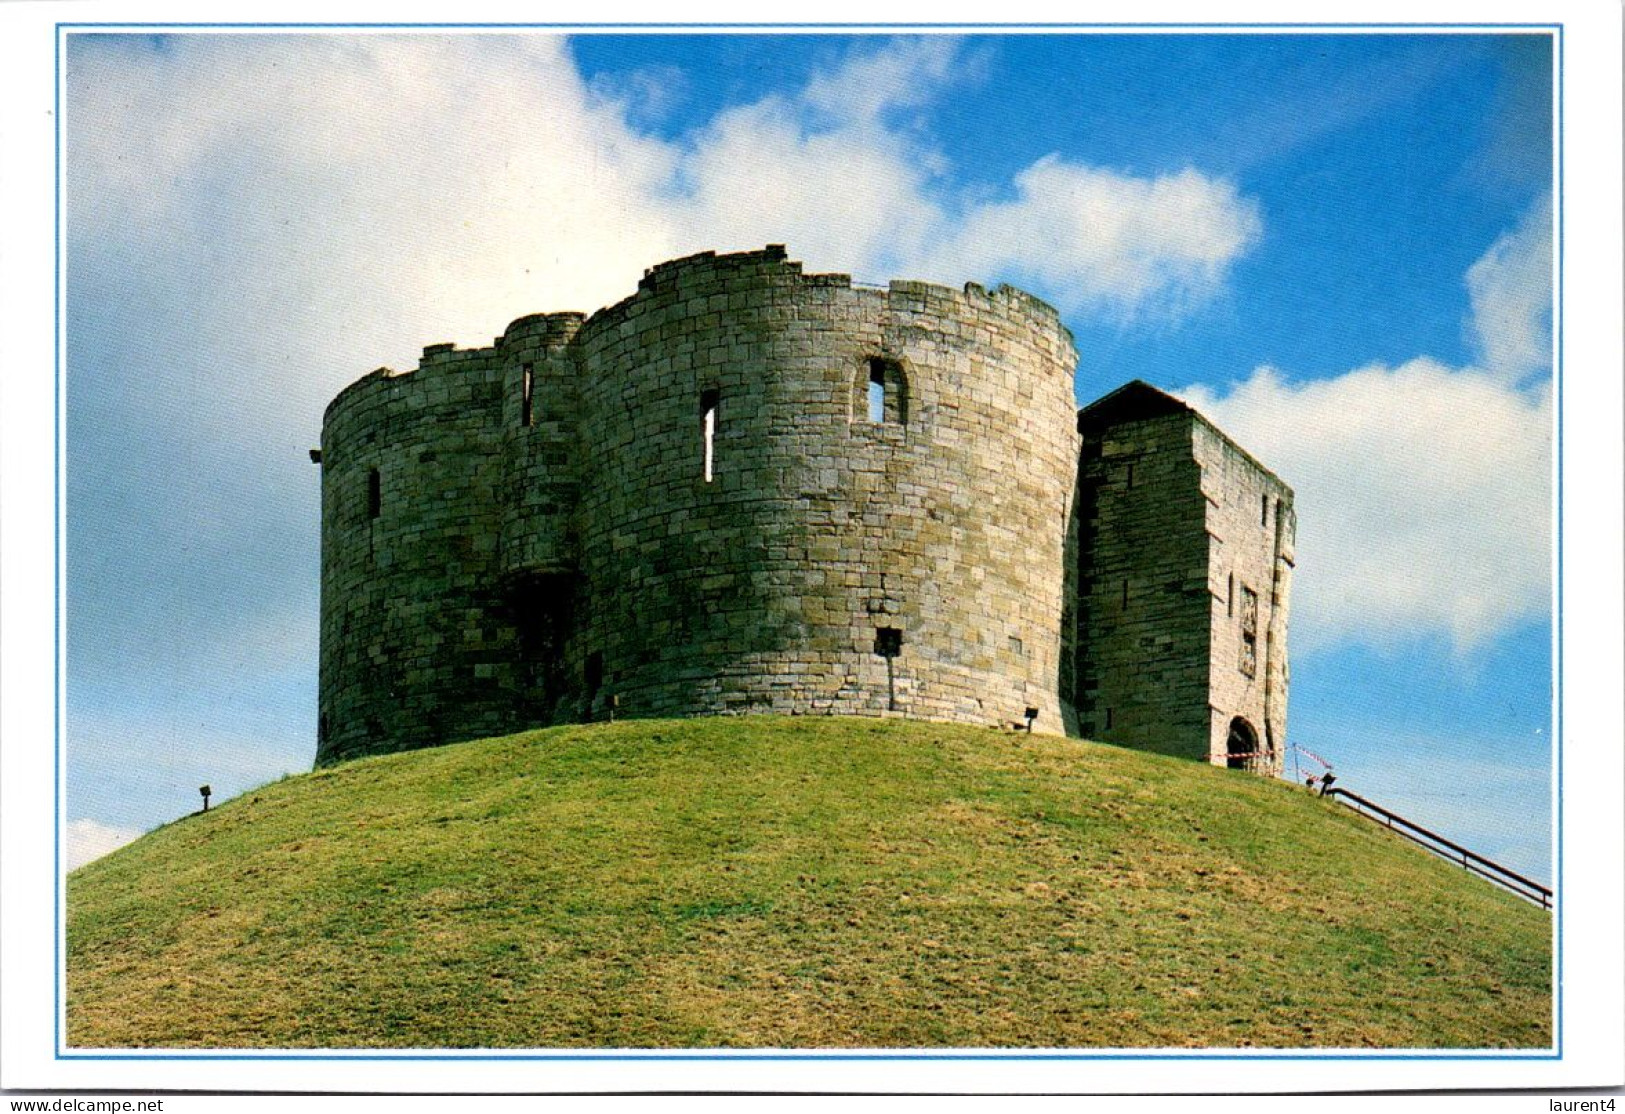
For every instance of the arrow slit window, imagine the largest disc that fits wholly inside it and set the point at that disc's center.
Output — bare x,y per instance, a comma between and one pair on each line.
708,430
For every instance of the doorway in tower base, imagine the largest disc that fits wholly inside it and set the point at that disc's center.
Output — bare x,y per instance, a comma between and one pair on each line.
1241,746
542,609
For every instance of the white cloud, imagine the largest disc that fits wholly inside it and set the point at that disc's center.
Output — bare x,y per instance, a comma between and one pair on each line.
1093,239
906,73
851,197
1424,492
365,195
89,839
1511,291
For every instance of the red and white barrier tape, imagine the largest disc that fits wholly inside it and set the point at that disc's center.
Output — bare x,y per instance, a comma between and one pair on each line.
1311,754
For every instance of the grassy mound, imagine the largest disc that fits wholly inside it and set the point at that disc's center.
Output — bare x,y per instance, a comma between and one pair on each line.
792,882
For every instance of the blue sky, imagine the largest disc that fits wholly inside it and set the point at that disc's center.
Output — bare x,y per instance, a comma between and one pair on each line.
1338,246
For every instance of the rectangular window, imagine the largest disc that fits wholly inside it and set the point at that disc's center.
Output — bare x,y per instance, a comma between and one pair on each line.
1230,596
1263,510
708,428
877,394
375,494
525,412
888,642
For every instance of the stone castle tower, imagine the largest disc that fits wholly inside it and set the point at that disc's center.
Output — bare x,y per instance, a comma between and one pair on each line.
745,488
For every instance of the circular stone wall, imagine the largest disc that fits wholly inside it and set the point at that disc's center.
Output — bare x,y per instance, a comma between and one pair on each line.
830,563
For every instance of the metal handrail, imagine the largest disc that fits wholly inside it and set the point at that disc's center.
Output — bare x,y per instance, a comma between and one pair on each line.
1505,877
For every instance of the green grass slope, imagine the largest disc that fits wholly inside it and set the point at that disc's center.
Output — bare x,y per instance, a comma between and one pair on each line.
792,882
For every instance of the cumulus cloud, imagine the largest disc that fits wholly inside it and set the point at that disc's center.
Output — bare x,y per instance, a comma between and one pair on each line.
376,193
906,73
1424,492
840,189
1112,242
1511,291
86,840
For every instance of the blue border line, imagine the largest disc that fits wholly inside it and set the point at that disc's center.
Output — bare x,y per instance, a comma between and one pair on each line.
1321,1056
58,882
1557,619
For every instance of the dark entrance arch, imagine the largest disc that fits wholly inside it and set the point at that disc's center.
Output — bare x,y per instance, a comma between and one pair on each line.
1241,748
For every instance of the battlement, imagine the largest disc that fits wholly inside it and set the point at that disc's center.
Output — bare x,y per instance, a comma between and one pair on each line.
773,256
741,488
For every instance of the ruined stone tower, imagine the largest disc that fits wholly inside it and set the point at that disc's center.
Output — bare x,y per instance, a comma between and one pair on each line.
745,488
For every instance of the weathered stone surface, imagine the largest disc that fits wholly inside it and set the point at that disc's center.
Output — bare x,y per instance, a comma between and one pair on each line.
683,505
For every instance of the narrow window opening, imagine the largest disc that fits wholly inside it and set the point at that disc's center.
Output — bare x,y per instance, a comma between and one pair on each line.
375,494
708,428
321,730
1125,593
525,411
887,397
1263,510
1230,597
1108,719
1131,475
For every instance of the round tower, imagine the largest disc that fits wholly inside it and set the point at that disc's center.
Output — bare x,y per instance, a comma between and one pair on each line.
414,646
803,496
741,489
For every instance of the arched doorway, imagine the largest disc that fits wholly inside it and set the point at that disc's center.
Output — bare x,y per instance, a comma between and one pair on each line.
1241,749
